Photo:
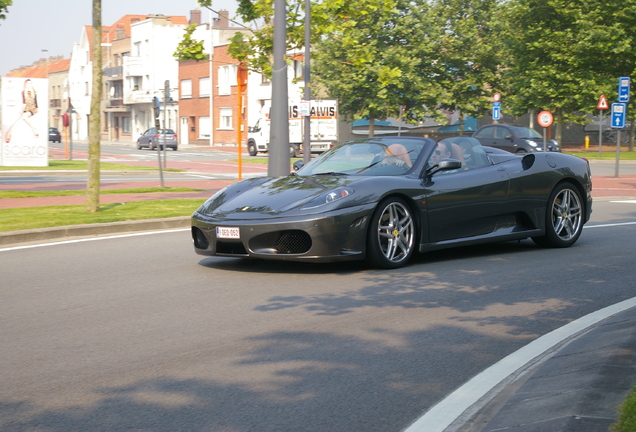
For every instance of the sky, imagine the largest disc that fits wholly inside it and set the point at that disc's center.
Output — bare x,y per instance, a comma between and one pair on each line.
36,25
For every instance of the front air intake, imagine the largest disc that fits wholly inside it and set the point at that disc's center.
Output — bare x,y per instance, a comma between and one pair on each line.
293,242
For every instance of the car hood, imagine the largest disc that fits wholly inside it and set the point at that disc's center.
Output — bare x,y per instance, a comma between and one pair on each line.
271,197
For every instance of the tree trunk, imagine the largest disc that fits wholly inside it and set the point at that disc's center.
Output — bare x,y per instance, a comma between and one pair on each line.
371,126
92,187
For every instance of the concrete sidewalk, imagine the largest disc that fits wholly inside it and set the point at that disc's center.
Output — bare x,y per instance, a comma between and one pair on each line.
575,389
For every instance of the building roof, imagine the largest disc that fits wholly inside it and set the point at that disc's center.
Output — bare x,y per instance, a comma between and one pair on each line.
39,68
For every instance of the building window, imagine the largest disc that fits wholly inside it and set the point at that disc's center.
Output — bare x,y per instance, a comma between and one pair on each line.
125,125
227,78
186,89
225,121
137,49
204,127
204,87
136,82
265,80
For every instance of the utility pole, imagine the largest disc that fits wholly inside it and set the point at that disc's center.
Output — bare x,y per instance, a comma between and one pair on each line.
279,160
307,136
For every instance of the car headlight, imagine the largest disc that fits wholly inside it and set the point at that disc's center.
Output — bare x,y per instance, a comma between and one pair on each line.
532,143
328,197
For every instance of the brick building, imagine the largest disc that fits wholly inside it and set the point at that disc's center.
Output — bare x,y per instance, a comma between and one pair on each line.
199,95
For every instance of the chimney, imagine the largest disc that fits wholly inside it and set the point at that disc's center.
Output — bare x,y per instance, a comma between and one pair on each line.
120,32
195,17
222,21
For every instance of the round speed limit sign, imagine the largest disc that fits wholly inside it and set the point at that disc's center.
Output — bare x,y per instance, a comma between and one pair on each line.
545,119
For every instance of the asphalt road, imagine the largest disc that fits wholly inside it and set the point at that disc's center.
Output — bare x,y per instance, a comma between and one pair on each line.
139,333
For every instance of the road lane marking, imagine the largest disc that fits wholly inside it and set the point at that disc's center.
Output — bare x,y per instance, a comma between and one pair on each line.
94,239
609,225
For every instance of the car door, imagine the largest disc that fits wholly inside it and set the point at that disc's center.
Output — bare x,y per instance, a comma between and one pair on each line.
145,138
466,203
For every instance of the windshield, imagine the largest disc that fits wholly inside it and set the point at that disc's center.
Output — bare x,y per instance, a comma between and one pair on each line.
386,156
166,131
524,132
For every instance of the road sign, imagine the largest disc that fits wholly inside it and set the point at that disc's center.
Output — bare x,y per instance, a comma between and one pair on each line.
618,115
496,97
602,103
496,112
545,119
624,84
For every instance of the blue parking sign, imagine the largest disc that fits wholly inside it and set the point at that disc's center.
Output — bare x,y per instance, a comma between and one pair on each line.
624,83
496,112
618,115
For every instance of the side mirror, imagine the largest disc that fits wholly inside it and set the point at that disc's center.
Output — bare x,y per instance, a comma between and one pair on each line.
509,137
298,165
444,165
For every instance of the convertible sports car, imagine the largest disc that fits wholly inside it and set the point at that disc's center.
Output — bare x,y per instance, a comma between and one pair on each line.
382,199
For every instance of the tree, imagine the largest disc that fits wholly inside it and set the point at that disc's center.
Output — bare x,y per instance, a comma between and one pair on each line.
380,62
4,8
255,51
561,54
92,187
468,65
189,48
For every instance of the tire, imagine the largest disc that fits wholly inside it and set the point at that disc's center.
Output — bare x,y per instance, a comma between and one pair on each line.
139,147
292,151
251,148
392,233
564,217
522,151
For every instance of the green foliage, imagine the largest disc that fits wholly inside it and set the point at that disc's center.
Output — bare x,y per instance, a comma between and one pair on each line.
4,8
565,54
627,414
467,55
189,48
377,58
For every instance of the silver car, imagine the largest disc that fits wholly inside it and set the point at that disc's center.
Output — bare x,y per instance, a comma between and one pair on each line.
156,138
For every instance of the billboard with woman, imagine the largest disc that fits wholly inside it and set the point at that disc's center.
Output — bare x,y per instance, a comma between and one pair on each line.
24,121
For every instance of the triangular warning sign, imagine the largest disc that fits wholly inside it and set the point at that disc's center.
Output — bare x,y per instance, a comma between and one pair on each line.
602,103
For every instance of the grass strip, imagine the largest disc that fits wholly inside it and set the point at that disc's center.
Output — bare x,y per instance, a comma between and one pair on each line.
608,155
627,414
52,216
82,165
50,193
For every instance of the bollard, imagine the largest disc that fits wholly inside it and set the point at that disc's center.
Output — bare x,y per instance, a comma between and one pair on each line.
587,142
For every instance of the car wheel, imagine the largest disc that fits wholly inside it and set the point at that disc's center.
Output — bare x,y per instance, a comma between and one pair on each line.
564,217
292,151
139,145
522,151
391,237
251,148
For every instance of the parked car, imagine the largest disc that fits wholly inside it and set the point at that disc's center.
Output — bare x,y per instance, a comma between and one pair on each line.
155,138
514,138
54,135
385,198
